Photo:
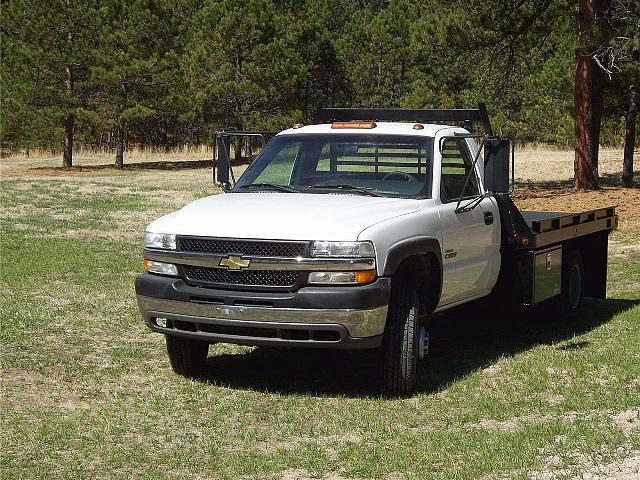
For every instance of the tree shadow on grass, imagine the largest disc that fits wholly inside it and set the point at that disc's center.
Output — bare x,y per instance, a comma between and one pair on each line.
159,165
462,341
167,165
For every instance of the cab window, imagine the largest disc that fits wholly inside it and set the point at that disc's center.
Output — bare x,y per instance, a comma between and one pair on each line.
456,165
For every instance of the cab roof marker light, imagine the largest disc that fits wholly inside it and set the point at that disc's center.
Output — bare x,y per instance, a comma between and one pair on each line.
360,125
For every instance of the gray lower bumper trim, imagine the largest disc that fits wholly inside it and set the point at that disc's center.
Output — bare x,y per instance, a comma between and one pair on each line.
358,323
302,335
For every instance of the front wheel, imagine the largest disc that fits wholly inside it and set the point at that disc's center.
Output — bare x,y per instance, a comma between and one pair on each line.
403,343
187,356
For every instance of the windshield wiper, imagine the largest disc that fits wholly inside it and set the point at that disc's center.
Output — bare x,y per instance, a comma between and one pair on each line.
272,186
350,188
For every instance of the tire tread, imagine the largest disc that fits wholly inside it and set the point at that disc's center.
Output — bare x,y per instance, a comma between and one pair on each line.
187,356
400,342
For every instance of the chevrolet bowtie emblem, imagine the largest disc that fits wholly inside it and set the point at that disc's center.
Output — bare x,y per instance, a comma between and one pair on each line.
234,263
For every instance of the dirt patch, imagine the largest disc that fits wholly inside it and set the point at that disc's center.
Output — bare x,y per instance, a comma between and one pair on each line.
512,424
576,465
628,420
554,400
272,446
302,474
621,249
295,474
24,389
565,200
544,164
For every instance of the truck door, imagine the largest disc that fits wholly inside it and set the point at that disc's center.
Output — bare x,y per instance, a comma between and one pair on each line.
470,239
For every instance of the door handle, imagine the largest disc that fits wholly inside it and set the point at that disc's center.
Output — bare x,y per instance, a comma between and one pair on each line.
488,218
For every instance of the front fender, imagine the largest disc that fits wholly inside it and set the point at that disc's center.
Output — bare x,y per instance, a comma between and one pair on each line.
408,248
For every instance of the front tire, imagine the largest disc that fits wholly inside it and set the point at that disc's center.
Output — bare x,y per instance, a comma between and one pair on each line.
187,356
401,341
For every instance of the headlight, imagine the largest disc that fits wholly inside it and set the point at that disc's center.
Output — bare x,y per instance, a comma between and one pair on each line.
342,249
161,268
159,240
342,278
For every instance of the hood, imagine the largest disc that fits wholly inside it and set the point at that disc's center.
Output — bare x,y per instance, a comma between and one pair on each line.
283,216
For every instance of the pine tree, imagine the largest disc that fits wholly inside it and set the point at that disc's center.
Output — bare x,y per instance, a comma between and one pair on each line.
48,49
243,71
133,51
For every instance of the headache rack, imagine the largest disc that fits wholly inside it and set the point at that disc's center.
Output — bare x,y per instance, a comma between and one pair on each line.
468,116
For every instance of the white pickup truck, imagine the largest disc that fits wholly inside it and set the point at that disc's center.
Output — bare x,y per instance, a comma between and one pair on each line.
350,233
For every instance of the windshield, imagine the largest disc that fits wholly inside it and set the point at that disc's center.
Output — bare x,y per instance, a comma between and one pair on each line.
380,165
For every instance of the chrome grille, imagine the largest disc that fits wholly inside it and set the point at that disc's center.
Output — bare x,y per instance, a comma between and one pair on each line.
270,278
242,247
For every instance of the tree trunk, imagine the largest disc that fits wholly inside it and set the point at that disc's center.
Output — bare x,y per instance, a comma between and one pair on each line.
120,123
630,138
588,96
67,153
69,122
238,151
120,145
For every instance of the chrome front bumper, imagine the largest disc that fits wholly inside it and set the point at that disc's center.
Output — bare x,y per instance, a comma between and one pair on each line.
253,325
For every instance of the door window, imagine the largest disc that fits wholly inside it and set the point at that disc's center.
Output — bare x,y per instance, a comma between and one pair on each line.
456,165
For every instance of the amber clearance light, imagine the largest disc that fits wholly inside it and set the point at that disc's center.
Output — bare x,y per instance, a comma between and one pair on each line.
364,125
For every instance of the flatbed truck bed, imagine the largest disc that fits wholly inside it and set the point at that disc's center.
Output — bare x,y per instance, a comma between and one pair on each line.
536,246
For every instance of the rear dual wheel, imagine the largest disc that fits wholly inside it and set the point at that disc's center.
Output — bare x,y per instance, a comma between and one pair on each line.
572,288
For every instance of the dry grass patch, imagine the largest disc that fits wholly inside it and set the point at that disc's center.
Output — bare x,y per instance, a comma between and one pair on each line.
539,164
628,420
576,465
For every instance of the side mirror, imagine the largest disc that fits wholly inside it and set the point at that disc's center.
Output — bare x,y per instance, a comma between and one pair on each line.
496,165
222,164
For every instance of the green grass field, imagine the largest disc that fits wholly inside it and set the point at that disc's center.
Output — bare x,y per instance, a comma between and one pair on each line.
87,391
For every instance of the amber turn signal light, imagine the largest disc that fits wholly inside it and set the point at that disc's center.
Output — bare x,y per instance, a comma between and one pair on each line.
366,276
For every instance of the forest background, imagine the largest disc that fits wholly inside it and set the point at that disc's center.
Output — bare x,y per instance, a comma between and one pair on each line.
111,75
